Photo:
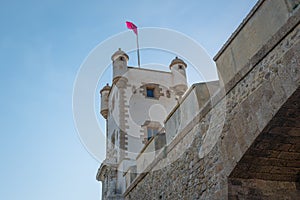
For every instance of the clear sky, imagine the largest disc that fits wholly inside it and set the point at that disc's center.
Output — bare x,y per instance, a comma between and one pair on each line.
42,45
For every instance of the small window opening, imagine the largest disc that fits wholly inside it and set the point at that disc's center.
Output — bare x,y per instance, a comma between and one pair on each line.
150,92
168,94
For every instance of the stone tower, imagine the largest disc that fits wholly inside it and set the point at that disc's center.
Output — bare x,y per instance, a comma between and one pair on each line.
134,106
178,69
119,59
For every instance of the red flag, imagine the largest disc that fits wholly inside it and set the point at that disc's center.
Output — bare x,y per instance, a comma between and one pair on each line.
131,26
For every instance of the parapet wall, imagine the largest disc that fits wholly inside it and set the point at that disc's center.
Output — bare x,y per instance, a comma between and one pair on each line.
261,25
259,68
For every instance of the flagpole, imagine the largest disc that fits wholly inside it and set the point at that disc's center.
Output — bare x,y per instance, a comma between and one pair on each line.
138,50
133,27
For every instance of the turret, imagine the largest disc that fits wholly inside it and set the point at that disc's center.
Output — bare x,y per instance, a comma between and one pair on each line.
178,69
120,59
104,100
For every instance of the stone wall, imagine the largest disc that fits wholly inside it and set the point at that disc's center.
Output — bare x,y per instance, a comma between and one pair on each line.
261,189
196,164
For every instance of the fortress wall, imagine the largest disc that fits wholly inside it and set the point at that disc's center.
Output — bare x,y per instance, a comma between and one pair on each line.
196,164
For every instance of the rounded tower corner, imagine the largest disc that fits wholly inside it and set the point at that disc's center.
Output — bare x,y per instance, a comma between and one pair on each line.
178,64
104,100
178,69
120,60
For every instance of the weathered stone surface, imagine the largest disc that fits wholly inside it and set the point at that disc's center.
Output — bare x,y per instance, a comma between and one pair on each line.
261,189
258,144
275,151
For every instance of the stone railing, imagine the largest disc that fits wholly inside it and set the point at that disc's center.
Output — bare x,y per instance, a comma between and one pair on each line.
193,101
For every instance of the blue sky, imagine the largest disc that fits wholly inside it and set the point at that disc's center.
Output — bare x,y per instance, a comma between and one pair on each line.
42,46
